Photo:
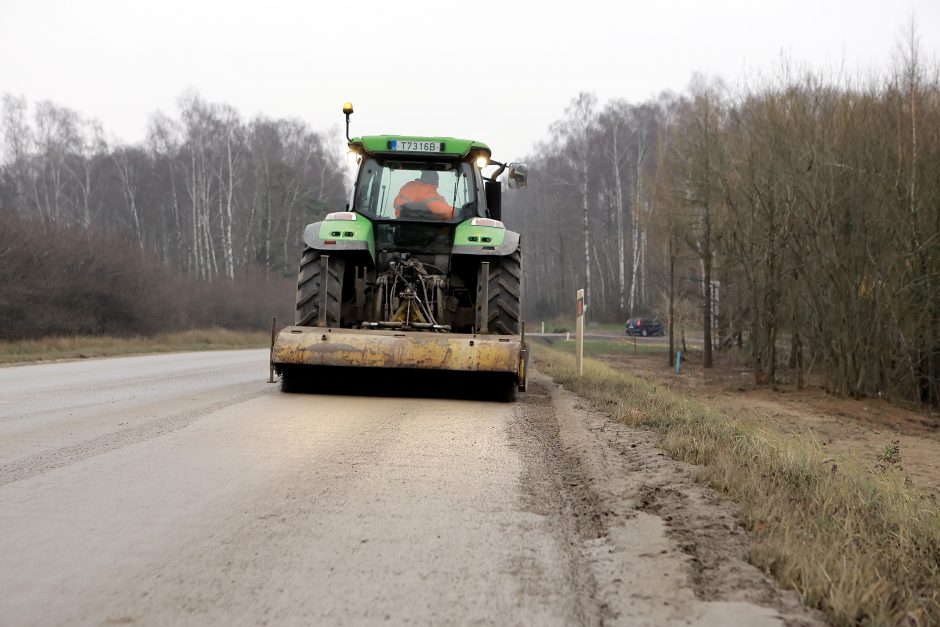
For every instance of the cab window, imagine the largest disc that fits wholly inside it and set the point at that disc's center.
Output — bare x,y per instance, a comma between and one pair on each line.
381,182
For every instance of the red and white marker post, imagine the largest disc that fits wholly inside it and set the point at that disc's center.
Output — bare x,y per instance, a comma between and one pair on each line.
579,334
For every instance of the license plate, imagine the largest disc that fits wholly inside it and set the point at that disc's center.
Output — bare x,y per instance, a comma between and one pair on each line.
410,145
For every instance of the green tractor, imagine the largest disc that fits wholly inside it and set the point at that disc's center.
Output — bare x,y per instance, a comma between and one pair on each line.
418,273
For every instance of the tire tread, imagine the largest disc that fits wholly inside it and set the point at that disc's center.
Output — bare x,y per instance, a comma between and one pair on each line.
505,295
308,289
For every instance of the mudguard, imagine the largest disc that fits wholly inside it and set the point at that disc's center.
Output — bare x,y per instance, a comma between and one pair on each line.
507,246
347,235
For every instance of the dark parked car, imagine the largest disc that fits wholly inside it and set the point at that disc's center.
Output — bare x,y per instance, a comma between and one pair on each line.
644,327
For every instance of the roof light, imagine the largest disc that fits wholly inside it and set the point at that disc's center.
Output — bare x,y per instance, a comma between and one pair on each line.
482,162
352,158
496,224
341,215
347,109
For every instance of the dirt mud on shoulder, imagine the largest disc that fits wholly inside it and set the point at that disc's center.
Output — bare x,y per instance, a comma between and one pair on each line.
645,543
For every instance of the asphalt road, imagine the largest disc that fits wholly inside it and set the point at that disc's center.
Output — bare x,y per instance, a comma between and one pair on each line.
183,489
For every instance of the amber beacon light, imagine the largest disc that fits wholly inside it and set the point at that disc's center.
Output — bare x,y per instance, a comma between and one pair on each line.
347,109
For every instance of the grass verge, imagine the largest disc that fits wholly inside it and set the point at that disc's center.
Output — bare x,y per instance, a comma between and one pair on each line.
53,348
610,347
860,543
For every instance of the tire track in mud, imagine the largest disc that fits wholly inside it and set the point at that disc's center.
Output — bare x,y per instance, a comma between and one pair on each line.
553,487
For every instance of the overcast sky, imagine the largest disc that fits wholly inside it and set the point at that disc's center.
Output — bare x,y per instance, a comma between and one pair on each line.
500,72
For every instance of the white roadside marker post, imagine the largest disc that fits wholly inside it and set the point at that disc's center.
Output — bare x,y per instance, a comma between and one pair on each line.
579,334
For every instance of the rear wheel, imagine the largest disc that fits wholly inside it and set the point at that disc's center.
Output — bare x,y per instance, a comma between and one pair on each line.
504,295
314,286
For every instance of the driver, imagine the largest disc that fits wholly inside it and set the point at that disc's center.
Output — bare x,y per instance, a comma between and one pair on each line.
423,192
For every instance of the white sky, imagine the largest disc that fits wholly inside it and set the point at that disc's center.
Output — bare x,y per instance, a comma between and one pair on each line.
499,72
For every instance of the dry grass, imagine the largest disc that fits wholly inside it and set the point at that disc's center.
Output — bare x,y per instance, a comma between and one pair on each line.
54,348
860,543
619,346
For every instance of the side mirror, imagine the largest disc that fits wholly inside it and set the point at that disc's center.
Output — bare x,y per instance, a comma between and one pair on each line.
518,175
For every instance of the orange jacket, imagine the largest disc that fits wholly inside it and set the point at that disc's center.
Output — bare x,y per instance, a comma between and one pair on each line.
418,191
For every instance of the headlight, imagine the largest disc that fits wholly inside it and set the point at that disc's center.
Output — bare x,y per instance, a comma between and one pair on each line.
341,215
496,224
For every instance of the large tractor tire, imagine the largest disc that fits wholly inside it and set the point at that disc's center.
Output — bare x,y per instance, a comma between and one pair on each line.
504,293
311,283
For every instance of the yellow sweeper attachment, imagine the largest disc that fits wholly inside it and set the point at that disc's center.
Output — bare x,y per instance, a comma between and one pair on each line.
503,357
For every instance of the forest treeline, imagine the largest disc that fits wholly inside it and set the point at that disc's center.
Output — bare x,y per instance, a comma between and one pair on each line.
209,193
213,205
57,281
808,206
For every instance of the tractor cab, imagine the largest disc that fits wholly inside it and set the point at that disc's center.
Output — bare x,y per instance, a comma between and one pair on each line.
419,179
418,191
416,204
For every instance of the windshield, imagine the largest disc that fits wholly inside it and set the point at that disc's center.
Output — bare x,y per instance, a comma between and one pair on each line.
416,190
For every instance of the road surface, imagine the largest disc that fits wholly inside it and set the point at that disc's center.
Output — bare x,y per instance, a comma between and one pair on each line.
184,490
